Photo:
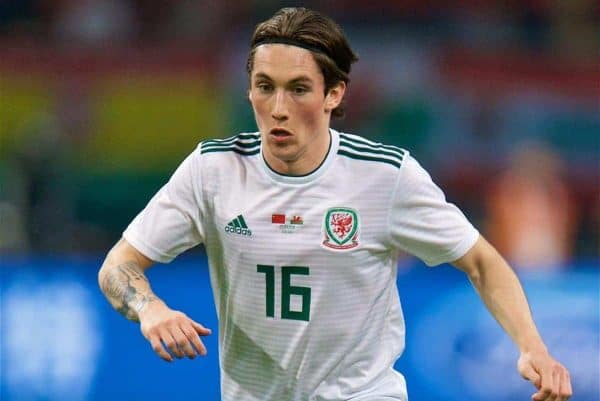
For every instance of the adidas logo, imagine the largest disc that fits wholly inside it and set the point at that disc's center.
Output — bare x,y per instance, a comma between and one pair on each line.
238,226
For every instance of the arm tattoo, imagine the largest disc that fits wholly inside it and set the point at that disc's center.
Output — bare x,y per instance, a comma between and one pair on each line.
127,289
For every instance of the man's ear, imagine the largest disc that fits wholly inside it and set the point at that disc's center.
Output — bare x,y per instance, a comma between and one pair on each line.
334,96
249,94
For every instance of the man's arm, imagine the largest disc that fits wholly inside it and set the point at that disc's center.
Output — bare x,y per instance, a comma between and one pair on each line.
123,282
501,291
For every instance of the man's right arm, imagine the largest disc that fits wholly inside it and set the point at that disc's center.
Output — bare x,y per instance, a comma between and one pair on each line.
123,282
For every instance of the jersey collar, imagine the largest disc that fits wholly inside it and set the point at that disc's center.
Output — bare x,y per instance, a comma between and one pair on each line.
313,175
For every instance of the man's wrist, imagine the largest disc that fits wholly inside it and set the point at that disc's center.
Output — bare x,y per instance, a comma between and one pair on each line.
535,346
147,304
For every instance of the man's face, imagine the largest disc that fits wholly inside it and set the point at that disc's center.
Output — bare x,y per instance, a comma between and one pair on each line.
287,92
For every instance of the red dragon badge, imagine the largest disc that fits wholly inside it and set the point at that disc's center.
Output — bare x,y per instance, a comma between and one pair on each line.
341,228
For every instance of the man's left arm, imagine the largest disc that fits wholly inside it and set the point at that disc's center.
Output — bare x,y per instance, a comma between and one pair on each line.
501,291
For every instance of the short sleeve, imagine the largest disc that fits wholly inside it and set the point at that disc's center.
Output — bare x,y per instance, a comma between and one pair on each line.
171,223
423,223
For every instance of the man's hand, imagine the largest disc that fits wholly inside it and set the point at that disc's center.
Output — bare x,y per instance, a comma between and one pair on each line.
550,377
500,289
163,326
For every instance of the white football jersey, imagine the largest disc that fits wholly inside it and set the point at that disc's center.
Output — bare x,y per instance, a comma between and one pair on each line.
303,268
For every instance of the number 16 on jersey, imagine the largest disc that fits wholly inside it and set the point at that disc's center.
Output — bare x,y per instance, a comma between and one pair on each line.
287,290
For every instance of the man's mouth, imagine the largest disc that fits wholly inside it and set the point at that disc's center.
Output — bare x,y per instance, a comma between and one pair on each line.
280,133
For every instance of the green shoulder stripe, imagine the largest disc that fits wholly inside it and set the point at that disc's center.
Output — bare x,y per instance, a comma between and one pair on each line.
356,140
370,150
234,138
244,145
394,162
231,149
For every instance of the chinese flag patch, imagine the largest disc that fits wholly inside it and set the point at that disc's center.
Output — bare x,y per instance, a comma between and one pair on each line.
278,219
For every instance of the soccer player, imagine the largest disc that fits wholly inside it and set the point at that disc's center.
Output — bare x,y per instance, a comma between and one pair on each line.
302,227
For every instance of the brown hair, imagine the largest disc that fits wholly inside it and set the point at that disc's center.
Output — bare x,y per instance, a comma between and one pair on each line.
314,31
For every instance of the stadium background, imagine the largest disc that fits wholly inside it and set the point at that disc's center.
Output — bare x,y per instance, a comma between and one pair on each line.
101,99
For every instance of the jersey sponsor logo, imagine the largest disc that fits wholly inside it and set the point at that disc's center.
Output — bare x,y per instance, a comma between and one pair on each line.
291,226
238,226
341,228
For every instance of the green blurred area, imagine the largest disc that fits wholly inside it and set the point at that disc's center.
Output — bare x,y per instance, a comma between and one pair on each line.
22,100
101,153
142,125
150,125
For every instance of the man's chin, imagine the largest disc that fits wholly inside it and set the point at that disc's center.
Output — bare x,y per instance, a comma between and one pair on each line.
281,147
284,153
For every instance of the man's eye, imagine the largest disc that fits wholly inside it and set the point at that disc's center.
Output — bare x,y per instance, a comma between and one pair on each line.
264,87
300,90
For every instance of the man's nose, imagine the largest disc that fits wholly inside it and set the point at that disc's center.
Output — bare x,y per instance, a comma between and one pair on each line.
279,111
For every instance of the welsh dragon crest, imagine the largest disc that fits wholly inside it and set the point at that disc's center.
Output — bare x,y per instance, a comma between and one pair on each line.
341,228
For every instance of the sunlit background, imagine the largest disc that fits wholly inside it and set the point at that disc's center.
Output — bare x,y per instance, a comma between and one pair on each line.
101,99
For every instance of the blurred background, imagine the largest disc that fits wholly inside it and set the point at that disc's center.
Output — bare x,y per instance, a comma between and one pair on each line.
101,99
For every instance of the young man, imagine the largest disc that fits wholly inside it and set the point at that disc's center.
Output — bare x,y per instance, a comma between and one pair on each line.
302,226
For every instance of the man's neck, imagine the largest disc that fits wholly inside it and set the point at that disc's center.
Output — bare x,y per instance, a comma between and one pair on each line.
306,162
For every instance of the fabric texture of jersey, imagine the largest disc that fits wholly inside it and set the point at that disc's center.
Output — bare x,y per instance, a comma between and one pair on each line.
303,269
